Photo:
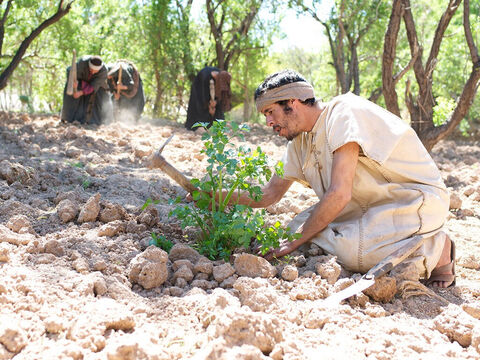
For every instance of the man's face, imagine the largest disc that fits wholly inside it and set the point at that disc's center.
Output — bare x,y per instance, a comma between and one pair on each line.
283,120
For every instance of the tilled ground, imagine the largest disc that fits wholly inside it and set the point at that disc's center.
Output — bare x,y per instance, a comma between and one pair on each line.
79,279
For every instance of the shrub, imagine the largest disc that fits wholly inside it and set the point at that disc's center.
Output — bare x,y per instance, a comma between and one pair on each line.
231,168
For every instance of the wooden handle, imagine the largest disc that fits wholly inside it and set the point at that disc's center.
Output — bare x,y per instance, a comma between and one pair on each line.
159,162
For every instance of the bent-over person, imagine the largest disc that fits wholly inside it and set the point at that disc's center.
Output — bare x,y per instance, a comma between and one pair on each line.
376,184
126,85
202,107
90,102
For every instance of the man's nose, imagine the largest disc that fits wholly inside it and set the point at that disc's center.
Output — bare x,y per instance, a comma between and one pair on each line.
269,120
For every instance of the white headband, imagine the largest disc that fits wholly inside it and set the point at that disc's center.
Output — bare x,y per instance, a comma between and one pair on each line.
297,90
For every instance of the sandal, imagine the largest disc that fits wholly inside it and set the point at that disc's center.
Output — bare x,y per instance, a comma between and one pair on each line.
441,273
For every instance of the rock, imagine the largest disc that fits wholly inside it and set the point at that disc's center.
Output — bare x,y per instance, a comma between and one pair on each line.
149,216
90,210
253,266
383,290
112,228
141,151
19,222
405,271
176,291
329,270
183,272
228,282
455,201
182,262
476,338
469,261
149,269
99,286
202,284
244,327
204,265
134,228
54,247
12,336
456,325
112,212
181,283
12,172
180,251
221,272
469,191
4,254
81,265
473,309
67,210
289,273
7,235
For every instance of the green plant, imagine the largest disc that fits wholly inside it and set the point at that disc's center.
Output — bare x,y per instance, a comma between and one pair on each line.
148,202
224,226
161,242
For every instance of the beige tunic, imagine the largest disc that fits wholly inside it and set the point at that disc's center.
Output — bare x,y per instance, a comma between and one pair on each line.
397,191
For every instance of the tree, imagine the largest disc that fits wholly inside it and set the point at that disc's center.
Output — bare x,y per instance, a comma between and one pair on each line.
17,58
421,107
346,27
230,22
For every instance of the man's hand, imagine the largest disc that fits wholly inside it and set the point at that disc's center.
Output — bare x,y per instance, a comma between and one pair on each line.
77,94
285,248
211,107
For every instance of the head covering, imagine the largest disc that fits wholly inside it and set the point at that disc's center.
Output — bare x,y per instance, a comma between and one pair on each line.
95,63
297,90
222,89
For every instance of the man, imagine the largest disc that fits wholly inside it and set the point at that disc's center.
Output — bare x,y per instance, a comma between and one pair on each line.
90,102
376,183
128,95
210,97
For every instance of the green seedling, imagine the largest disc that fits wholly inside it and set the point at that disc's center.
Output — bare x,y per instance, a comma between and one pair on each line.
161,242
148,202
225,226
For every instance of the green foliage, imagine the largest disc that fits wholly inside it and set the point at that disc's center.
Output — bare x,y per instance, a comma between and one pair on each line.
225,226
161,241
148,202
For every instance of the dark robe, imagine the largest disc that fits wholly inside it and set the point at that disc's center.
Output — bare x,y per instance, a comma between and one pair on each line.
132,100
94,108
200,98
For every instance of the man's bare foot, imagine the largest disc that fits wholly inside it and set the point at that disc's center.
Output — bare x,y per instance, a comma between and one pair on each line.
443,274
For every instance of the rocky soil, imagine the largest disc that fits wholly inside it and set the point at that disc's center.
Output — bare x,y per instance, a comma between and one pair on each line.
80,280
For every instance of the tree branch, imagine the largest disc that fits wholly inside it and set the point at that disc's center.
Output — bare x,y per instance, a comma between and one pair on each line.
61,12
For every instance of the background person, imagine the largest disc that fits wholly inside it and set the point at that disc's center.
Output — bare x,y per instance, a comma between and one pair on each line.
201,107
90,102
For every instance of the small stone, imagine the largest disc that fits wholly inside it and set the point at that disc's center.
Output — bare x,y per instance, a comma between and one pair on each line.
204,265
201,276
329,270
4,256
182,262
222,272
253,266
112,228
455,201
67,210
183,272
383,290
54,247
180,251
149,269
100,286
176,291
202,284
228,282
181,282
89,212
81,265
19,222
469,191
289,273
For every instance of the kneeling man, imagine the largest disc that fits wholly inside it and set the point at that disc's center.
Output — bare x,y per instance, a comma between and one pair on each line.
376,183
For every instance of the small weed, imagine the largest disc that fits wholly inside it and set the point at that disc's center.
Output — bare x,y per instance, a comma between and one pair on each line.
148,202
161,242
86,182
77,164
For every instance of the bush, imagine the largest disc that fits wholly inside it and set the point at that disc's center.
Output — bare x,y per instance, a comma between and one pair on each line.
223,227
